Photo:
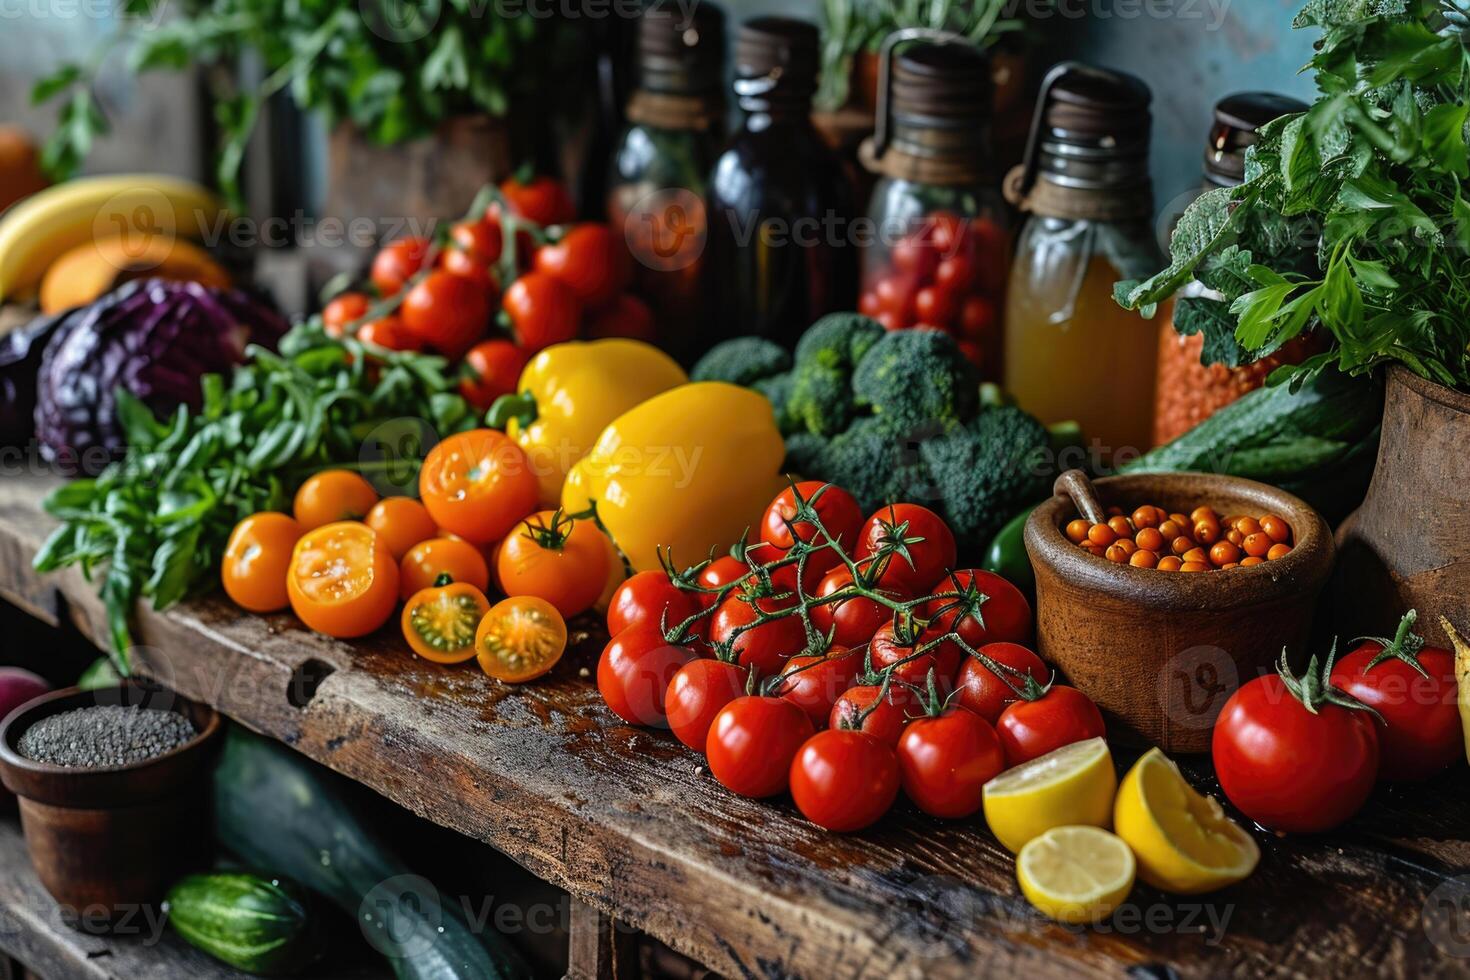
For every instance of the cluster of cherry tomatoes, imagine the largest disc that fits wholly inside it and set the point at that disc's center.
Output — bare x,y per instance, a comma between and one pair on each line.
792,665
1173,542
344,559
947,273
564,280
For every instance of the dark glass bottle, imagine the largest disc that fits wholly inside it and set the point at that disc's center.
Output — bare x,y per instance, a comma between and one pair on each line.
779,204
661,160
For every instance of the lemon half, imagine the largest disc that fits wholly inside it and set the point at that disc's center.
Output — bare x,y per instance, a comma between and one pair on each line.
1076,874
1072,785
1183,840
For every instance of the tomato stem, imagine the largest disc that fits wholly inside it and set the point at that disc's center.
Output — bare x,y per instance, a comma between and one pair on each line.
1312,688
1404,646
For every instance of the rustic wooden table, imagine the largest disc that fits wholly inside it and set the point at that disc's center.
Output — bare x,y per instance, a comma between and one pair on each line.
632,824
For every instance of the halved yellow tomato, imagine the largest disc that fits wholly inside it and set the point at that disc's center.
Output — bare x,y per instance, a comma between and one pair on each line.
520,639
440,622
342,581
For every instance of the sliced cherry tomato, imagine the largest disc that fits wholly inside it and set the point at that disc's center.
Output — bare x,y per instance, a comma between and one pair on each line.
815,683
446,313
342,581
543,200
946,761
440,622
478,485
491,368
752,742
257,558
697,692
843,780
401,523
763,647
1061,716
859,707
985,693
520,639
556,558
397,262
900,528
590,259
627,316
635,671
851,622
331,496
344,309
387,332
650,597
543,311
426,561
888,648
837,509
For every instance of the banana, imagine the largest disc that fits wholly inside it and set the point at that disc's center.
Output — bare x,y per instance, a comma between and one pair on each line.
138,207
1462,678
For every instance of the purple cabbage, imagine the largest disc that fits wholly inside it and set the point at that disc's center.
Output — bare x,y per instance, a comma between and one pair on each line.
154,338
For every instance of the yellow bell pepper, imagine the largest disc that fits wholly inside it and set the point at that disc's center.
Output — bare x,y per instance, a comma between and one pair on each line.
569,393
689,469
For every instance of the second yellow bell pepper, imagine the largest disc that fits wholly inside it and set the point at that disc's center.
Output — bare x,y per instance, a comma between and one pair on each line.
690,470
569,393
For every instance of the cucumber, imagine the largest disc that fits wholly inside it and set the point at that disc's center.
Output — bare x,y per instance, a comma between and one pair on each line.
276,810
259,925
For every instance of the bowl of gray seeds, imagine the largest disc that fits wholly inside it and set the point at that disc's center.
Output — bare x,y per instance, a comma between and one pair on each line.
112,786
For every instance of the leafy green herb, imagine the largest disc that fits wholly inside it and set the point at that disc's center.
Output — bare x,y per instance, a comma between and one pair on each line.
159,519
1353,217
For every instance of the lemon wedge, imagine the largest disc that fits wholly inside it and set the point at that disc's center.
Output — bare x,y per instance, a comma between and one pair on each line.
1183,840
1076,874
1070,786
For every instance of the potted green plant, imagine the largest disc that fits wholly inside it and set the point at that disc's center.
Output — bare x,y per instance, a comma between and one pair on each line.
1354,222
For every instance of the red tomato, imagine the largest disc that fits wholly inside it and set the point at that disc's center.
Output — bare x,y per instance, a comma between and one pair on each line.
720,573
766,647
1421,732
634,671
868,304
345,308
627,316
388,333
855,619
783,578
914,255
946,233
859,707
492,368
1061,716
752,742
1288,768
986,609
697,693
398,262
946,761
544,200
894,295
887,649
928,540
446,313
985,693
837,509
591,260
844,780
955,273
650,597
479,240
815,683
977,317
542,310
934,306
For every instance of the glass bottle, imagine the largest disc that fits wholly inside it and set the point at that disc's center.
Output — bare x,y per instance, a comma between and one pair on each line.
941,252
1188,392
660,161
1070,351
779,203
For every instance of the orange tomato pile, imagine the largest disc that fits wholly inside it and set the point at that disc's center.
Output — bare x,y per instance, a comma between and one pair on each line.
1198,542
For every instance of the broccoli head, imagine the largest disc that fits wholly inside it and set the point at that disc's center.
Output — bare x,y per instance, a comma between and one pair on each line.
777,389
838,340
980,474
742,361
916,378
821,390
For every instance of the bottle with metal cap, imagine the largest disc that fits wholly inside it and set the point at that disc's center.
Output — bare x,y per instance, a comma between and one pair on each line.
662,158
1070,351
779,204
940,253
1189,391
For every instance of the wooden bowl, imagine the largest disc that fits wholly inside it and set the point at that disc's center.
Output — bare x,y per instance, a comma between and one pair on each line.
1160,652
108,842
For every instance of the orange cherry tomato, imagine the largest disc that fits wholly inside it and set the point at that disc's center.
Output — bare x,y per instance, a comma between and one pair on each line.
333,495
388,333
520,639
344,309
401,523
478,485
342,580
256,560
440,622
554,558
427,560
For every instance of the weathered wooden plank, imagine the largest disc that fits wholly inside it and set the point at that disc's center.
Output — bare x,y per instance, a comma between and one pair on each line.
600,947
632,824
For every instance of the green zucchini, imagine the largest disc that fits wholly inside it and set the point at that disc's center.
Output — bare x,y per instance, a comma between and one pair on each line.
259,925
276,810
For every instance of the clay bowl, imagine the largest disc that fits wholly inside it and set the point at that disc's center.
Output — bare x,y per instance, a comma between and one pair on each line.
1160,652
108,842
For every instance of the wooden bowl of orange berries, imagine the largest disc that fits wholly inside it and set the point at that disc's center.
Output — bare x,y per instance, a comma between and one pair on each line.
1159,649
